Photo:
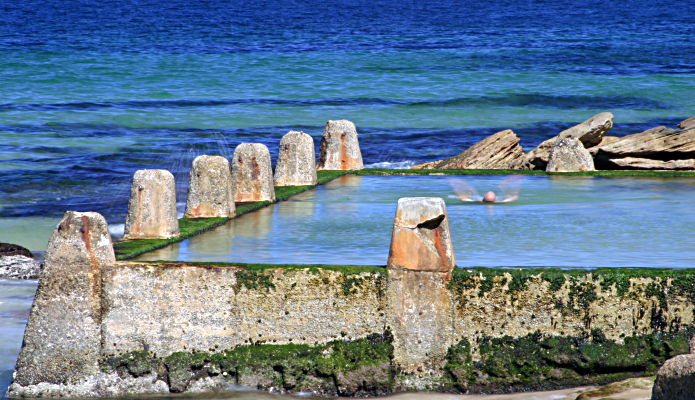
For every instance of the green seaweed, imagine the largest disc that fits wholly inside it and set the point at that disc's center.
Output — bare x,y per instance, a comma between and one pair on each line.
544,362
254,280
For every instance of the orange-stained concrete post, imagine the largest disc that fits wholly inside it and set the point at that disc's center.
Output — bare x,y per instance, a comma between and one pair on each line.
152,206
420,263
252,174
340,149
210,189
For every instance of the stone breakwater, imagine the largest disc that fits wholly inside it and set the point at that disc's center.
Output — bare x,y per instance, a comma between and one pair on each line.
100,327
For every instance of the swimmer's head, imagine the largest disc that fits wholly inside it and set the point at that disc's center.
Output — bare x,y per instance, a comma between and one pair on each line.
489,197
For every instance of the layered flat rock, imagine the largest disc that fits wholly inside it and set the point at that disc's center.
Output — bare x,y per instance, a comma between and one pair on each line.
589,132
62,340
676,379
152,207
648,163
210,189
340,149
296,163
569,155
687,124
252,173
497,151
421,240
659,142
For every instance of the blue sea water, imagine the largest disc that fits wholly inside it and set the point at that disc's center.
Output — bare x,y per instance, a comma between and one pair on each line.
91,91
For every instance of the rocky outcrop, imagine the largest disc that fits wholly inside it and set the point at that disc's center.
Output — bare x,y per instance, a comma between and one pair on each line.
210,189
62,341
569,155
17,262
655,148
676,379
498,151
252,173
152,207
421,240
688,123
340,149
296,163
589,132
647,163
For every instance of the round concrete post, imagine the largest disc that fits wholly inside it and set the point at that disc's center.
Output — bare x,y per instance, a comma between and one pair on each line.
252,173
62,341
296,163
340,149
152,207
210,190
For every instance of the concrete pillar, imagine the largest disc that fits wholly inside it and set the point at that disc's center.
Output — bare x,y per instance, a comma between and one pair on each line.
210,190
252,173
296,163
152,206
339,148
420,306
62,341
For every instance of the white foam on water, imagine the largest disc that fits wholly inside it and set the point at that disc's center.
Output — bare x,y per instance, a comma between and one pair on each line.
392,165
117,231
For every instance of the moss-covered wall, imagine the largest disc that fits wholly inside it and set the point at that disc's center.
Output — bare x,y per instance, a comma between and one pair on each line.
170,307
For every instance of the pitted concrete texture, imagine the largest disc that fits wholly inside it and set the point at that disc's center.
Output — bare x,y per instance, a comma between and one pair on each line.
591,131
296,163
210,189
152,206
421,238
174,307
340,149
252,173
420,315
62,341
569,155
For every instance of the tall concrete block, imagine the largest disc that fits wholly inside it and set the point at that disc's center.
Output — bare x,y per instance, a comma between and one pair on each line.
296,163
210,189
420,306
340,149
252,173
62,341
152,206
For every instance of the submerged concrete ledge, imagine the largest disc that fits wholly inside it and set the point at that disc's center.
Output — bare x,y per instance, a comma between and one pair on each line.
190,327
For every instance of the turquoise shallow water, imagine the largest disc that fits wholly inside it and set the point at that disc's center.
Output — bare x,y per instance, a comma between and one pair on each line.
557,222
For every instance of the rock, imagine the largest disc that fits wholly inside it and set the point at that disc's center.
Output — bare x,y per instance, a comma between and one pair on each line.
427,165
296,163
210,190
62,341
19,267
605,141
498,151
688,123
340,149
660,142
252,173
676,379
590,131
152,206
8,249
646,163
421,240
569,155
692,345
628,385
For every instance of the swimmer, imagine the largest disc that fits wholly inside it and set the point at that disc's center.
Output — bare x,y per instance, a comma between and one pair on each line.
466,192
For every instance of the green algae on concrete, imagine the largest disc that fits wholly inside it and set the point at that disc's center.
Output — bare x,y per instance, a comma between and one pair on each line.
539,361
360,367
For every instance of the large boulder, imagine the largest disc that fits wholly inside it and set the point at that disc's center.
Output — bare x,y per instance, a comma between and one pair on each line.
152,207
688,123
210,189
9,249
252,173
62,341
296,163
569,155
421,240
589,132
498,151
676,379
340,149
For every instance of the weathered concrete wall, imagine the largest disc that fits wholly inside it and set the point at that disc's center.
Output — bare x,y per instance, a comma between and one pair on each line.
183,327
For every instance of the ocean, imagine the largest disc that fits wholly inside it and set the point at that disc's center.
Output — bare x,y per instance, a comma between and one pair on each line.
91,91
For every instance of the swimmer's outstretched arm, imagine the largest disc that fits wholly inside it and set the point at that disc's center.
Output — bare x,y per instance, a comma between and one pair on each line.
508,199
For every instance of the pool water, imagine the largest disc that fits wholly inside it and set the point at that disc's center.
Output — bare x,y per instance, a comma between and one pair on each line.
558,221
